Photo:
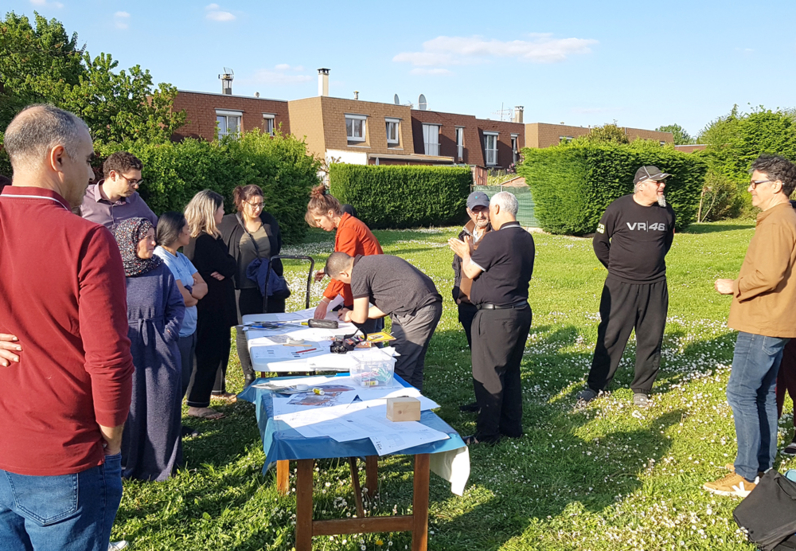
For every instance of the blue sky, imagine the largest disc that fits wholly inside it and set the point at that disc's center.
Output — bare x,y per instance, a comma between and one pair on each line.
583,63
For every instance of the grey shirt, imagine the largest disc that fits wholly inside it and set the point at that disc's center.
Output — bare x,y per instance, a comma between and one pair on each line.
97,209
252,245
392,284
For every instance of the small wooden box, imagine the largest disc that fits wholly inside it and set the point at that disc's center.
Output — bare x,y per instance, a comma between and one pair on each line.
403,408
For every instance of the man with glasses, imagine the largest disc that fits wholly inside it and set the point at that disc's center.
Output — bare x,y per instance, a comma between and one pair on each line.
115,198
632,239
763,313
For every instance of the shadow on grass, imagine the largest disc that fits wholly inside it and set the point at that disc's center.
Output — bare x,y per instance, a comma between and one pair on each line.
713,228
556,464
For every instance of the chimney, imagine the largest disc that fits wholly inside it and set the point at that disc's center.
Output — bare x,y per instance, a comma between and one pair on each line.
356,94
323,82
226,81
257,94
518,113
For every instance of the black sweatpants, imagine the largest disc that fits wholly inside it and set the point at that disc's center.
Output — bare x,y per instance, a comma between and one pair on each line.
499,338
625,306
212,356
467,312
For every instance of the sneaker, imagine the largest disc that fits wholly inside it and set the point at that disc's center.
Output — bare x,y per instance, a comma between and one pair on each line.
730,467
587,395
730,485
118,545
790,449
470,408
641,400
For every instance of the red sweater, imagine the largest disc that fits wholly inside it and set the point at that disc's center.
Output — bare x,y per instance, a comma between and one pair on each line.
62,292
353,238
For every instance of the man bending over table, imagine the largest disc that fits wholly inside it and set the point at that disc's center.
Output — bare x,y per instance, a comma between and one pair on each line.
399,290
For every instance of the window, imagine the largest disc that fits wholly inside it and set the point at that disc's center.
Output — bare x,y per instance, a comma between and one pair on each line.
393,131
355,127
268,123
460,143
228,122
431,139
490,148
565,139
663,143
514,148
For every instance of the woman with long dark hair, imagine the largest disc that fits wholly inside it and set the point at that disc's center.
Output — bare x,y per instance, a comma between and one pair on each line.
216,311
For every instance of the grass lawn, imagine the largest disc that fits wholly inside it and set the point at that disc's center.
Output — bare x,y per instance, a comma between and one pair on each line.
605,477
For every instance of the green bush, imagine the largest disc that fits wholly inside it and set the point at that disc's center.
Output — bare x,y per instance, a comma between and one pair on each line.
572,184
280,165
403,196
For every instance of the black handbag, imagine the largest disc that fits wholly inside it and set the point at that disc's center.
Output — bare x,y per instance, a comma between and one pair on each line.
768,513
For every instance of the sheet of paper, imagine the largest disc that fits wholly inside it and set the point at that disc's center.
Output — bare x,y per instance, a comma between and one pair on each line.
310,404
389,437
280,352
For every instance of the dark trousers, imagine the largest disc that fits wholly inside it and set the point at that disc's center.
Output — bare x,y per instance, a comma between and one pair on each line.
212,356
187,347
625,306
249,301
786,377
499,338
412,334
467,312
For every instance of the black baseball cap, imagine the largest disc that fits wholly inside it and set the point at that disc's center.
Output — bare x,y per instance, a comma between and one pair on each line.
649,172
477,199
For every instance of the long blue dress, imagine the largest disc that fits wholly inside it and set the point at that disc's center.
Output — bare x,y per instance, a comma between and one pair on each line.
152,443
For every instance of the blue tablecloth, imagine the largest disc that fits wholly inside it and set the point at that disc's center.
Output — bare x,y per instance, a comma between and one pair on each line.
282,442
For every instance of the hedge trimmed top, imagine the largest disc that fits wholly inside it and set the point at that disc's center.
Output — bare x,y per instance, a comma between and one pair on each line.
573,184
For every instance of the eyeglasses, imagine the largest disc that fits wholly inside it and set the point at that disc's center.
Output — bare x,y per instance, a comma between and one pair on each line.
258,205
657,183
132,181
755,183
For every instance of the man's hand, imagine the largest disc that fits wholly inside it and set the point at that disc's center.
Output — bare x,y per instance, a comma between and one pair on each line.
461,248
9,346
320,310
344,315
319,275
724,286
113,439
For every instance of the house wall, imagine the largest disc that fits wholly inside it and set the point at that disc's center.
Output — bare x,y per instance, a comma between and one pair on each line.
200,109
473,153
539,134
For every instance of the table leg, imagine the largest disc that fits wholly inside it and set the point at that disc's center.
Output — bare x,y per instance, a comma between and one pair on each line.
304,504
372,475
420,503
283,477
352,462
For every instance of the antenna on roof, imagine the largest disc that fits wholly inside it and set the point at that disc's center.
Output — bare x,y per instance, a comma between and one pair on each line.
396,100
422,103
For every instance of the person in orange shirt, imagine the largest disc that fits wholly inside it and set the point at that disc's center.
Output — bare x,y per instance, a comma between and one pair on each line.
353,238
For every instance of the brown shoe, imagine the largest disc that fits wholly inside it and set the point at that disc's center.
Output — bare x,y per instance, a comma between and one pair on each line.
730,485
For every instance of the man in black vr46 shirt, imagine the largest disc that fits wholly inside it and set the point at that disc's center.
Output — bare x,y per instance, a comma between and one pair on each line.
632,240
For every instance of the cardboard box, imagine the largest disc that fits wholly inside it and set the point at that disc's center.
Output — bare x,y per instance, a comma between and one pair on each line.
403,409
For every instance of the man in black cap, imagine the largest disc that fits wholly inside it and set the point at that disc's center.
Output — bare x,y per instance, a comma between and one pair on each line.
501,269
632,240
475,229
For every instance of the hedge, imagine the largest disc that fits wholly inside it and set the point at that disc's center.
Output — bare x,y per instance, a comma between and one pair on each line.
175,172
573,184
403,196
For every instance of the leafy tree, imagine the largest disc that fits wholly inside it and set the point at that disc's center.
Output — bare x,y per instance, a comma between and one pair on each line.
681,137
44,64
608,133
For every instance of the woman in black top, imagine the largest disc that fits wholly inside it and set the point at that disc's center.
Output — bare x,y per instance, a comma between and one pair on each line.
249,234
216,311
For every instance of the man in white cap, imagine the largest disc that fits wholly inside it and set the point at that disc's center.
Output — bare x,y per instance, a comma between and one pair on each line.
632,239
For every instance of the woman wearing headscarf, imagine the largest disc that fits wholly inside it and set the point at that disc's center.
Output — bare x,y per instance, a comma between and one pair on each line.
216,311
151,443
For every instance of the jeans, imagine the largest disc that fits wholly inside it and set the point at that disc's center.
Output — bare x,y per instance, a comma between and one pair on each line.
751,394
71,512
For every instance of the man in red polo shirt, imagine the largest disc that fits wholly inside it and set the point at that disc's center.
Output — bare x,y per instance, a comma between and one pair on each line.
63,404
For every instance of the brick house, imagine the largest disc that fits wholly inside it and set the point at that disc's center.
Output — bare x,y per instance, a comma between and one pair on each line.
540,134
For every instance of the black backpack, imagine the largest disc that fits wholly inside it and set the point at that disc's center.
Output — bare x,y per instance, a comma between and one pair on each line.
768,513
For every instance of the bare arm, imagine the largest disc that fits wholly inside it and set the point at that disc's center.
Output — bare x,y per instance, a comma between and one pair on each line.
199,289
463,249
113,439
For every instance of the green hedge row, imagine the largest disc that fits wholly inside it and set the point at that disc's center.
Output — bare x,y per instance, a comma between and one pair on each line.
573,184
403,196
280,165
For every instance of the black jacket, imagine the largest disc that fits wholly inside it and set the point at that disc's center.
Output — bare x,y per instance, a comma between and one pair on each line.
232,232
209,255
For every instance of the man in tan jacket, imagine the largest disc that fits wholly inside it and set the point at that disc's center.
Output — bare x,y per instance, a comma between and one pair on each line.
763,311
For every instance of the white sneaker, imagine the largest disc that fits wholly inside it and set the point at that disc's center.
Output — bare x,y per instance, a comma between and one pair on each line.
118,545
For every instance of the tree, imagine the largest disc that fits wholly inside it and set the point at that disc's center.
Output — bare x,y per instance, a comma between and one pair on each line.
681,137
608,133
45,65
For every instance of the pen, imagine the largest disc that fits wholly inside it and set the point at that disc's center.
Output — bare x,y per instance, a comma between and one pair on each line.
306,350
